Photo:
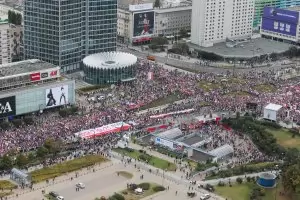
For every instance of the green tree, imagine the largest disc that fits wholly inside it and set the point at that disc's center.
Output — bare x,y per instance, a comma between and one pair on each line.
53,146
42,152
183,32
157,4
158,42
21,160
6,163
180,48
291,178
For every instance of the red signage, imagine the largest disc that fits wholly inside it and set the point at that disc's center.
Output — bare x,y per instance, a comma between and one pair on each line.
53,73
35,76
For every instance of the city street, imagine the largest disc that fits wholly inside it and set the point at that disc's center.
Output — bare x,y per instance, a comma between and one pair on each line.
105,182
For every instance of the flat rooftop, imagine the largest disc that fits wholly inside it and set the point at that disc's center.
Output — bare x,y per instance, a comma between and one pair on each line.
245,49
25,66
192,140
124,4
13,91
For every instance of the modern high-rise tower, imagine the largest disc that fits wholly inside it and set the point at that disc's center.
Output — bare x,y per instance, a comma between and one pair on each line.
63,32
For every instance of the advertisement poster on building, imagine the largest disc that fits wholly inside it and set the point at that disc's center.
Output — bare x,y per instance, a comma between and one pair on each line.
280,21
57,96
143,24
7,106
164,142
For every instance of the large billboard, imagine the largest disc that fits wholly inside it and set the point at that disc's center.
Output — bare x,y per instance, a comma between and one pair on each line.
280,21
7,106
57,96
143,24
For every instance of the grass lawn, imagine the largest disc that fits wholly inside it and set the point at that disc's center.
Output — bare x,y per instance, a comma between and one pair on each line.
265,88
284,138
125,174
238,93
207,86
162,101
242,192
65,167
129,195
7,185
154,161
4,194
236,81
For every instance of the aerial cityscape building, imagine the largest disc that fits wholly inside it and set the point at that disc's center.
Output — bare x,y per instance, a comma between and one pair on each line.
215,21
64,32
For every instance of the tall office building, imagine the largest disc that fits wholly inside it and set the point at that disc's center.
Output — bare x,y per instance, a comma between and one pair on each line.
63,32
214,21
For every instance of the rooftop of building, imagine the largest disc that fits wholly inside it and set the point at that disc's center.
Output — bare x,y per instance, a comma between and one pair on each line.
110,60
245,48
14,91
25,66
124,4
293,8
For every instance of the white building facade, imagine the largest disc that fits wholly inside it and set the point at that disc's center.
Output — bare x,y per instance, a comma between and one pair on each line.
166,21
11,43
214,21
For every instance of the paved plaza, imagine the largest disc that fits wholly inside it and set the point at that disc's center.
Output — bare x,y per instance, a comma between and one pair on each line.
104,182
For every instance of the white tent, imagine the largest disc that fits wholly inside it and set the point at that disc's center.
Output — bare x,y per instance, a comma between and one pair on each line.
270,111
222,151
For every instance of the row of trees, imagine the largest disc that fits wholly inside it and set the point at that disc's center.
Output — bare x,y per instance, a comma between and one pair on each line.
51,148
28,120
14,18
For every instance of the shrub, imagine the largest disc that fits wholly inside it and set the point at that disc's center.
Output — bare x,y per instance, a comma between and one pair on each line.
248,179
118,196
158,188
124,192
28,120
144,186
239,180
17,122
145,157
5,125
129,149
221,184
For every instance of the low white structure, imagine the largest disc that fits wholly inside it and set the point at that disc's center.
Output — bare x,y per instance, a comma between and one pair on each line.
222,152
271,110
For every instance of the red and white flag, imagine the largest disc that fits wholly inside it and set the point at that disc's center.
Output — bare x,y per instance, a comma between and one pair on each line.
150,75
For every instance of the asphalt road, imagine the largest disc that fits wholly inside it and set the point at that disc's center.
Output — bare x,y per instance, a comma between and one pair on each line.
190,65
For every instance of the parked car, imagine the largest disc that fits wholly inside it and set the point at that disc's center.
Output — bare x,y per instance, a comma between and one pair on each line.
80,185
53,194
60,198
205,197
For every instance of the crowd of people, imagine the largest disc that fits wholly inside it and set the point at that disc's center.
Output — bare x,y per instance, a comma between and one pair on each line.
122,102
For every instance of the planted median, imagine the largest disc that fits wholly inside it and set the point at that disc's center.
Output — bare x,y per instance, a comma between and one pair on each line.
65,167
149,159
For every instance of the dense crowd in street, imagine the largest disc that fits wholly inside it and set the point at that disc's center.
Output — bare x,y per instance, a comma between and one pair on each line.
122,102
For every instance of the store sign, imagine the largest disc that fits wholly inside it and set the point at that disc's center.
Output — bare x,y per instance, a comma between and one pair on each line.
44,75
139,7
7,106
35,76
53,73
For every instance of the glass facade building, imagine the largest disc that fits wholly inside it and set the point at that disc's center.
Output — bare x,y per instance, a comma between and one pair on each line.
260,4
63,32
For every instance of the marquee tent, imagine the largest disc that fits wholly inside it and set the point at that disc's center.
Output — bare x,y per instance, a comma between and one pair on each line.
271,110
103,130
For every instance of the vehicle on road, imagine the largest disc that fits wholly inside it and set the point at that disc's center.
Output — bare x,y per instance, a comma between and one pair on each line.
152,58
80,185
60,198
53,194
205,197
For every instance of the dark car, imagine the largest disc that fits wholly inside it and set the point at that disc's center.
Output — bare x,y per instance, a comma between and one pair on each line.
53,194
